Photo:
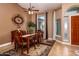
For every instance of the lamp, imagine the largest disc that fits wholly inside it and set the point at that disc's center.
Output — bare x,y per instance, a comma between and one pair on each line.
31,9
30,12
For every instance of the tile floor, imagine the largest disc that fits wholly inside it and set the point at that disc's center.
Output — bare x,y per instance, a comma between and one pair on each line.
64,50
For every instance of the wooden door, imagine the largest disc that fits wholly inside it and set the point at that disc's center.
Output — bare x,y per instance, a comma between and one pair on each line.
75,30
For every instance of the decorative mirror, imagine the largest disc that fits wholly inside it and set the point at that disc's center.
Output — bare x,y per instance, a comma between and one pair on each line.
18,20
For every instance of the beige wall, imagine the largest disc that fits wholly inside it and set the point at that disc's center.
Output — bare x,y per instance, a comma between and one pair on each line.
7,11
50,24
59,13
34,18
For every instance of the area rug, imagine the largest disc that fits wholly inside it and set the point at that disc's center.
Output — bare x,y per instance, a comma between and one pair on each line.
41,50
48,42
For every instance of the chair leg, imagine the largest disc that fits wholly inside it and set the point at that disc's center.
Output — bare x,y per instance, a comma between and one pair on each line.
16,46
38,43
22,50
34,44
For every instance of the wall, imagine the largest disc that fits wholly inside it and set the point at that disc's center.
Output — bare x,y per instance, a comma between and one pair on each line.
7,11
50,24
34,18
59,13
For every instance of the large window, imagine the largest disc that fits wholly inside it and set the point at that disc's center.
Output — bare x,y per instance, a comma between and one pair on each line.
58,27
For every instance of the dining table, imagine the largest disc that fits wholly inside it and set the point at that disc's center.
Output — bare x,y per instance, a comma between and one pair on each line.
27,37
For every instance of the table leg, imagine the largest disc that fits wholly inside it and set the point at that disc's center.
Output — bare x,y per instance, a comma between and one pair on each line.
28,44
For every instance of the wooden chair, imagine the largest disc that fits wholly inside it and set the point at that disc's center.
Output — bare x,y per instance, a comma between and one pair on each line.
16,33
40,35
20,42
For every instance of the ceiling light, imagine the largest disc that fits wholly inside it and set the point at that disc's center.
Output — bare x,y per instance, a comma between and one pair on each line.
30,12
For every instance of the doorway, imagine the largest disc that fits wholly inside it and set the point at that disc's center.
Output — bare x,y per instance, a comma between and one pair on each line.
42,24
75,30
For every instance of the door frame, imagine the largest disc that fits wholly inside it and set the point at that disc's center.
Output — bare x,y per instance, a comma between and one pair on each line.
46,25
70,27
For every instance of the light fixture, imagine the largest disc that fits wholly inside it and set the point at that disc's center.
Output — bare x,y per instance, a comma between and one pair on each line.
30,12
31,9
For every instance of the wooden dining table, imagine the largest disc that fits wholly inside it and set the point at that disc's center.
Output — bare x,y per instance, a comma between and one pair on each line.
27,37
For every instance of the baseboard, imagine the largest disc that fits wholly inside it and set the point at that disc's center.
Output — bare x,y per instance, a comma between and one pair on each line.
50,38
63,42
5,47
75,45
58,36
67,43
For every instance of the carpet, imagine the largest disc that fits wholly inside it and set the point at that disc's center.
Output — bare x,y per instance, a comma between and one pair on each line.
41,50
48,42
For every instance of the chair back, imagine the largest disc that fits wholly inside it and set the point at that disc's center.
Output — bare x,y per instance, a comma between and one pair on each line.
17,36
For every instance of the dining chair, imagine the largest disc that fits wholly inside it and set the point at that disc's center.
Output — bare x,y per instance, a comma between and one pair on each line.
40,35
20,42
15,33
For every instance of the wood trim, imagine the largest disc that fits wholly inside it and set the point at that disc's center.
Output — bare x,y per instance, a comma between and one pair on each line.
36,21
58,8
46,25
6,47
46,14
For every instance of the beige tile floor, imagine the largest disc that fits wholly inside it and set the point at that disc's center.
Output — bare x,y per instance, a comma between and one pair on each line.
64,50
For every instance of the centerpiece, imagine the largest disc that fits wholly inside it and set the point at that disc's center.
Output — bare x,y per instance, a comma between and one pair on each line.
31,27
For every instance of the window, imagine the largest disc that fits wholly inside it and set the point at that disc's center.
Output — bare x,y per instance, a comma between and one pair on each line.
58,27
66,28
72,10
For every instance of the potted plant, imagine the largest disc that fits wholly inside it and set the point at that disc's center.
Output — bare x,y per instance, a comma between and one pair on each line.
31,26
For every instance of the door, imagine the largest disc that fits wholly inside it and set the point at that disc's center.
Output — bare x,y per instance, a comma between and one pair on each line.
75,30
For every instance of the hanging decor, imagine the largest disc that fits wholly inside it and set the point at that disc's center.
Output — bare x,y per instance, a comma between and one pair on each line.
18,20
31,9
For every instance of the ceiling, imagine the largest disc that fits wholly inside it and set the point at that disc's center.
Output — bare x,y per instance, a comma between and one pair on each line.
41,6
